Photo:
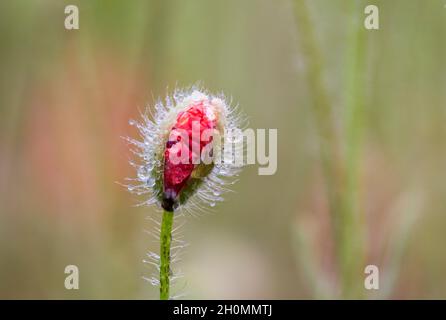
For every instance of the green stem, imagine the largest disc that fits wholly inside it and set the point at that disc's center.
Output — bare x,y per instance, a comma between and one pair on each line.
321,108
165,241
322,111
340,165
352,234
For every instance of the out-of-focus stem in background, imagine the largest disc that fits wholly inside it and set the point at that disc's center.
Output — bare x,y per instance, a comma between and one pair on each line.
352,220
340,162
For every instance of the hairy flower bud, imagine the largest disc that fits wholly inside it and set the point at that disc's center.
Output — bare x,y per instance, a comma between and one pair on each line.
184,131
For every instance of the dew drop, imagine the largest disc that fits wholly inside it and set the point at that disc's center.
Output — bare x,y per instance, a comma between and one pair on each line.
143,175
151,182
212,204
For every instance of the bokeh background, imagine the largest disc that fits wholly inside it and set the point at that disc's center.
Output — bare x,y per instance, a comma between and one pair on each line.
66,98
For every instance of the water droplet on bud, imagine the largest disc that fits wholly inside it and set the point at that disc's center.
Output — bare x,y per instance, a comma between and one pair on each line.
151,182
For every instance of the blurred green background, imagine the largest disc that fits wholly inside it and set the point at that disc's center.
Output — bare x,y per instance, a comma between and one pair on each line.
66,98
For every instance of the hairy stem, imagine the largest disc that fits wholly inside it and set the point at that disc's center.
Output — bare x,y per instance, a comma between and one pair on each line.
165,241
